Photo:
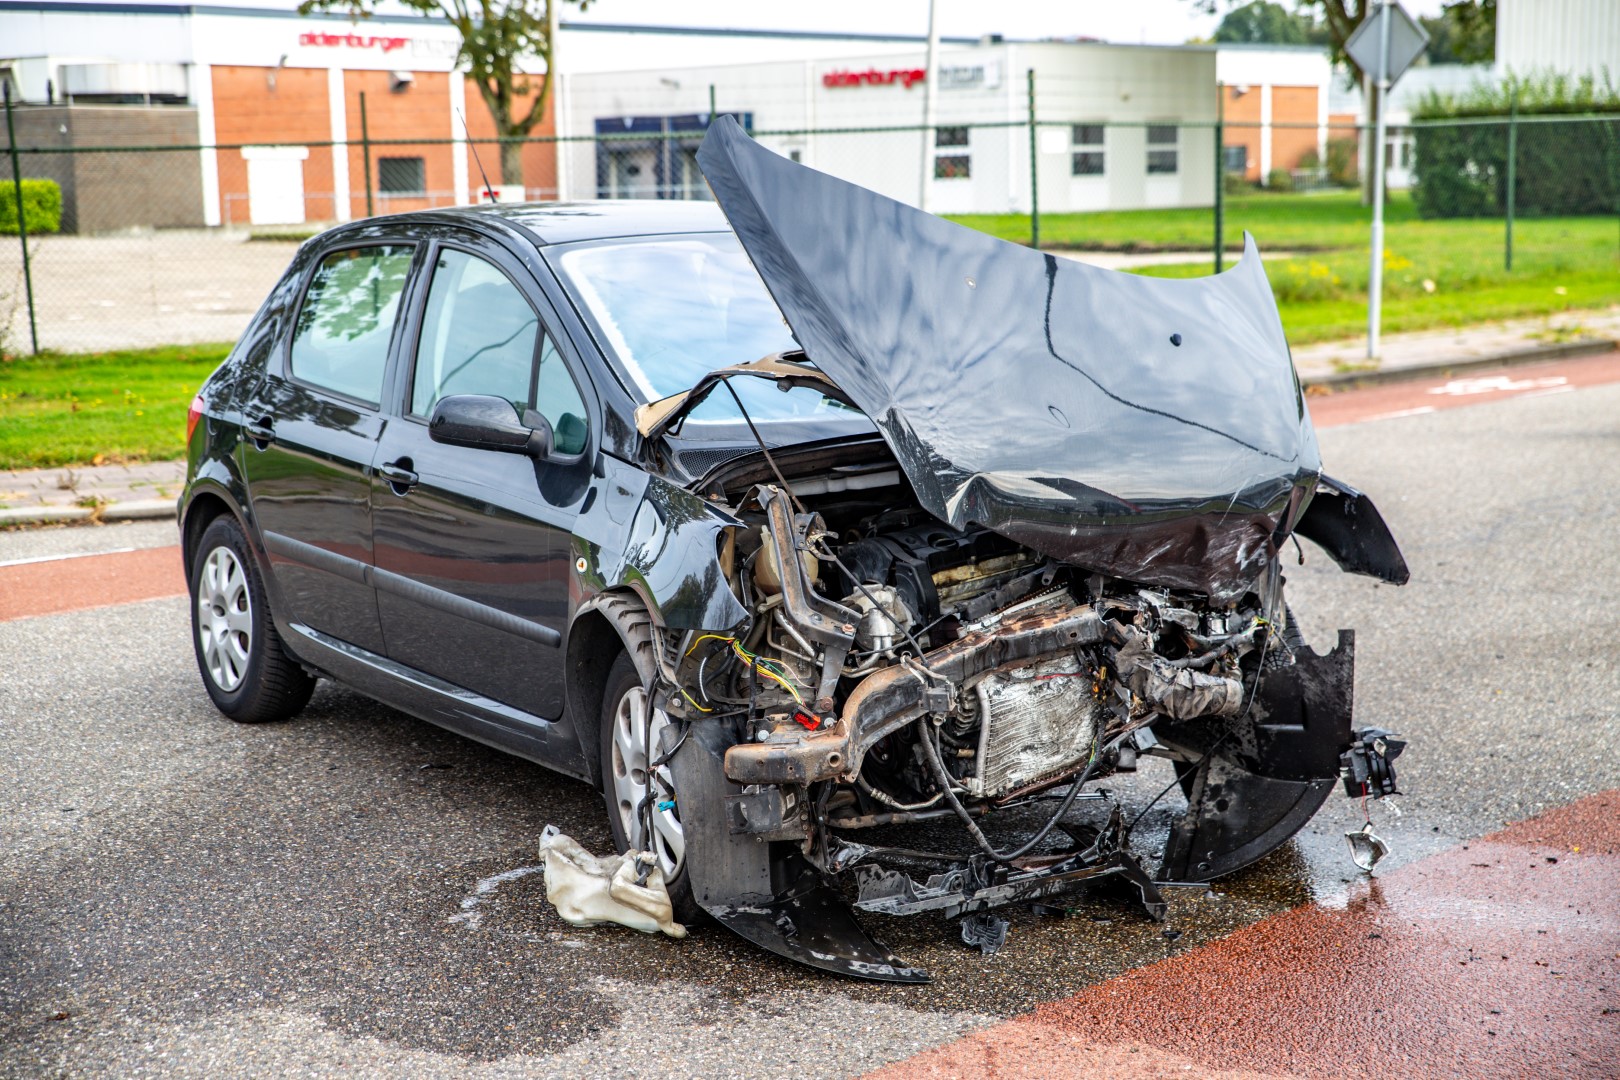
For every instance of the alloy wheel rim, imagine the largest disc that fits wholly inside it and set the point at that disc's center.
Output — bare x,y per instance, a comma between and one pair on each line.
636,726
224,618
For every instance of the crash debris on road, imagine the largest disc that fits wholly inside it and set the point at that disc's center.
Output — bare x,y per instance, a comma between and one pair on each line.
588,890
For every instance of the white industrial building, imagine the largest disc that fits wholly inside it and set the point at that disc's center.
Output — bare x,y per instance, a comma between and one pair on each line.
1121,126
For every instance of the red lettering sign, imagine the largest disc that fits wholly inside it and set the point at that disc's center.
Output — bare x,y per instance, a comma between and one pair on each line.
907,77
353,41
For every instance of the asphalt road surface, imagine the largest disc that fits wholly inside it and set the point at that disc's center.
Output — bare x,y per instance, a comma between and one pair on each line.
355,892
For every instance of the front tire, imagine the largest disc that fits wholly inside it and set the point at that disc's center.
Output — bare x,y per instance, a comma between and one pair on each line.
630,746
244,668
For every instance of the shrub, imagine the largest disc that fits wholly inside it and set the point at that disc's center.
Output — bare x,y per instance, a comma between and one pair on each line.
1280,180
1341,162
42,207
1562,167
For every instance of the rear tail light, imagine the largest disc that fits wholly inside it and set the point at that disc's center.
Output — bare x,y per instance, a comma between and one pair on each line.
194,414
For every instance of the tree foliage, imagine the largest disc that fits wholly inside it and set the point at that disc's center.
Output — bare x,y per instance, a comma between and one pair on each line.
1263,22
496,36
1463,33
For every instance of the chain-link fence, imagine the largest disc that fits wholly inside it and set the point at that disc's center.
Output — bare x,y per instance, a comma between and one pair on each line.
176,243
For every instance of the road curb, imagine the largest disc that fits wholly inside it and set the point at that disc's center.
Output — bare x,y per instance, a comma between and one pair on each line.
1563,350
131,510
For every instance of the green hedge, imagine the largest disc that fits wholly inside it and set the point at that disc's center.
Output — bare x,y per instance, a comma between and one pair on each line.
42,207
1563,167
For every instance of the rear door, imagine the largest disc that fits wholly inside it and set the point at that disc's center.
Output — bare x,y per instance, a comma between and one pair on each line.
311,433
473,546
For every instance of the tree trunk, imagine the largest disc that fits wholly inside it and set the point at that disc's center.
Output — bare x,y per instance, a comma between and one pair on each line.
511,163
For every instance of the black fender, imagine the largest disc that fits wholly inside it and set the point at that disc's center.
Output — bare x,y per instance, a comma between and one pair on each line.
1350,529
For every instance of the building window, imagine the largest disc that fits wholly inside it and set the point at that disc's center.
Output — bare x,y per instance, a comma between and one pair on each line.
951,136
401,176
952,167
1162,143
1088,150
1236,159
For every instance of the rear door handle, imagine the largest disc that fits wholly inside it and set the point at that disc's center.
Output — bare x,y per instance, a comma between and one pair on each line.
261,432
399,475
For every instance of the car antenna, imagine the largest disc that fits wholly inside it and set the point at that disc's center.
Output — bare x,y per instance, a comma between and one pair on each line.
494,196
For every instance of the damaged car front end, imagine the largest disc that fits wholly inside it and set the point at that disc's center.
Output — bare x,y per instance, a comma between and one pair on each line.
1058,554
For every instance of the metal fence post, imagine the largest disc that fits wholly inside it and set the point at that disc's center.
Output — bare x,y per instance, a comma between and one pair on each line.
1512,173
365,146
1034,172
711,103
1220,175
22,222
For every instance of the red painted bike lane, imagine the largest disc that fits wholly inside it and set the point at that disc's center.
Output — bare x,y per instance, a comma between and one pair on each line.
73,583
1499,958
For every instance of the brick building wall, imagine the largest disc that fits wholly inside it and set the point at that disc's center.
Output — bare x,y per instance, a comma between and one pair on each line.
259,106
1294,120
1276,125
105,192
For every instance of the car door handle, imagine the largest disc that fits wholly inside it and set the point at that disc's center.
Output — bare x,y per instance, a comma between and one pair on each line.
399,475
260,432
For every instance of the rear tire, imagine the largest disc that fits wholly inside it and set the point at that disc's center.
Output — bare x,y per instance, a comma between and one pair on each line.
244,668
628,724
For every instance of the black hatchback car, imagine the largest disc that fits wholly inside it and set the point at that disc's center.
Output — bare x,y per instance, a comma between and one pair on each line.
785,519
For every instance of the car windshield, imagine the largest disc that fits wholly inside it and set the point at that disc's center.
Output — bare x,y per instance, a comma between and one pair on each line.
667,310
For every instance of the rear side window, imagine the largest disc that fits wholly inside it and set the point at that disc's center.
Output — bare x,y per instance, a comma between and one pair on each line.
480,336
340,342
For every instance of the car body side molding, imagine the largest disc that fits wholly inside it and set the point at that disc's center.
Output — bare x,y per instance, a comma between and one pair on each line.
399,585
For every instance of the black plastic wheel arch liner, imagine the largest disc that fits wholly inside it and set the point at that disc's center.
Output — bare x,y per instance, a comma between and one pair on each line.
759,891
1150,429
1263,775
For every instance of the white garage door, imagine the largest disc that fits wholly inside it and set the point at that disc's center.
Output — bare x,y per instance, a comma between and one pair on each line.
275,184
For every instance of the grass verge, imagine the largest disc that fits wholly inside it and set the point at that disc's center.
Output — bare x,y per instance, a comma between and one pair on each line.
94,408
1437,273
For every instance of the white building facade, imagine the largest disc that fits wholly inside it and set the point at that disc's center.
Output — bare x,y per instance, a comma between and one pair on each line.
1119,127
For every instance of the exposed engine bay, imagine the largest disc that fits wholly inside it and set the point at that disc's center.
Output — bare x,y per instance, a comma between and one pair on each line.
896,670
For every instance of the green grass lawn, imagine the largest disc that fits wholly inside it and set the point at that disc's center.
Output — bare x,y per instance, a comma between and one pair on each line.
1437,272
98,407
131,406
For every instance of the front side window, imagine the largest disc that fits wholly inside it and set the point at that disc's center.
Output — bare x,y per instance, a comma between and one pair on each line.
1162,144
480,336
340,341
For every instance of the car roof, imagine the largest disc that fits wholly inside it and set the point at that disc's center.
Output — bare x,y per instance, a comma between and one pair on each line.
564,223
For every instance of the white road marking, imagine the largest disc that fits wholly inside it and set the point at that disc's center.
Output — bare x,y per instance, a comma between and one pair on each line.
1419,411
59,558
1495,384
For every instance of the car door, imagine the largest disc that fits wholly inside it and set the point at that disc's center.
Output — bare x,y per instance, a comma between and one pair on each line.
311,431
472,547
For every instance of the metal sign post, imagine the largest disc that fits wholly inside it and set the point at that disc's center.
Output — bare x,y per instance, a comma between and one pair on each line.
1383,46
930,106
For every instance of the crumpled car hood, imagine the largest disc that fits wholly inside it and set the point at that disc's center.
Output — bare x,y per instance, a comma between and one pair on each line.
1147,429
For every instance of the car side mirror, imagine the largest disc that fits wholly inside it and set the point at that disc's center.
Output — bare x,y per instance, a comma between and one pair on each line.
484,422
